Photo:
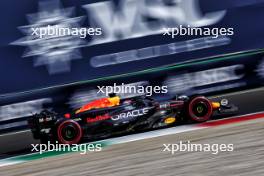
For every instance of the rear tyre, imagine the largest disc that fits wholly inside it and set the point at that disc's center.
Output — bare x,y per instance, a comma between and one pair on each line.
199,109
69,132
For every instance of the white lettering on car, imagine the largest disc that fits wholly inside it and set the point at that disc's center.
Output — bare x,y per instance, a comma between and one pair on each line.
134,113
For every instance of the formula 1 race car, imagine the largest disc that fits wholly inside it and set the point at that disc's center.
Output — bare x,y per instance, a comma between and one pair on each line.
108,116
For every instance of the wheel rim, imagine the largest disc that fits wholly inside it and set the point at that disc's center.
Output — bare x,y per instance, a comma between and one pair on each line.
69,132
200,109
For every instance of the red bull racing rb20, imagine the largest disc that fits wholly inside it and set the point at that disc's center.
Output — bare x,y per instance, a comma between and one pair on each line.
111,115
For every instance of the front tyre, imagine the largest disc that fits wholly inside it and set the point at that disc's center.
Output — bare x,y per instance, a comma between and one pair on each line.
69,132
200,109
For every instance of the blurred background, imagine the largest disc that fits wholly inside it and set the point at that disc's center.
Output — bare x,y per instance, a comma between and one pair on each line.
132,37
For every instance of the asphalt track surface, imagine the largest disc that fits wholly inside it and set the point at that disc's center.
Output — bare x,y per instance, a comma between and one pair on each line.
145,157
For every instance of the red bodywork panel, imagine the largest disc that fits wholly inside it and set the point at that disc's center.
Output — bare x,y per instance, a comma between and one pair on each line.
100,103
96,104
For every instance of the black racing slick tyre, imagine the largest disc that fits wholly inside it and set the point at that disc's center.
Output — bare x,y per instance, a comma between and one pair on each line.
69,132
199,109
